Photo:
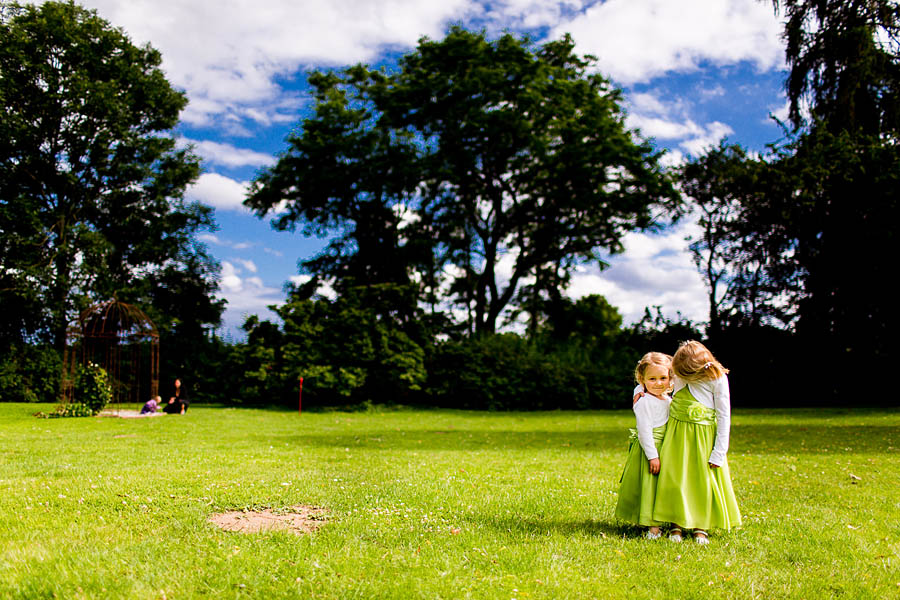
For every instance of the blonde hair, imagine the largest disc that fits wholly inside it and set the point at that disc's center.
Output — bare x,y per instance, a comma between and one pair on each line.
652,358
694,362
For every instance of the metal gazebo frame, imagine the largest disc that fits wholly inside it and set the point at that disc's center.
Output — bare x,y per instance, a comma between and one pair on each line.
121,338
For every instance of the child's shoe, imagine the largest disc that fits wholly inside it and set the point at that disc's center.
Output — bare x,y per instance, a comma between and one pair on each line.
650,535
701,537
675,534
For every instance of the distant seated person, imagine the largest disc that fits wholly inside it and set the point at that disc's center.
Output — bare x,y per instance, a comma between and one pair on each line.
179,402
151,406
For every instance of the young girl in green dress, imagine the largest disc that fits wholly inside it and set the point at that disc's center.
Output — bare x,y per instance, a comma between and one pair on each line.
637,486
694,488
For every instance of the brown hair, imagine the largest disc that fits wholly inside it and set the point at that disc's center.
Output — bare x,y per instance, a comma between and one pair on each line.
652,358
694,362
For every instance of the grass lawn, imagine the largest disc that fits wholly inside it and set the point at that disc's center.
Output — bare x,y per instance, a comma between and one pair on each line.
433,504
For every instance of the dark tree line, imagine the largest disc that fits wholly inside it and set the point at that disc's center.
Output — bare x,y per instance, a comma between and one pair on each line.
797,243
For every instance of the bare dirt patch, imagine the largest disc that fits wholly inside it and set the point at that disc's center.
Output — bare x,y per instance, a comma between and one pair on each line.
124,413
298,519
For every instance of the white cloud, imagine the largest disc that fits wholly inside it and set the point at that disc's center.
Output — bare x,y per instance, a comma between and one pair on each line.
662,129
525,14
210,238
228,155
300,279
655,270
645,102
672,158
710,136
227,54
779,112
637,40
245,296
230,281
219,191
711,92
324,288
247,264
696,138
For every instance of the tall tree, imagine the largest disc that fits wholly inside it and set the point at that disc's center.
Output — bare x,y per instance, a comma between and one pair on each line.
91,185
817,218
844,59
513,162
745,251
349,176
844,63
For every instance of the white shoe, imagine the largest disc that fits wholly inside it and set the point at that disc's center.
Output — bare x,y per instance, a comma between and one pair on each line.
702,538
653,536
675,535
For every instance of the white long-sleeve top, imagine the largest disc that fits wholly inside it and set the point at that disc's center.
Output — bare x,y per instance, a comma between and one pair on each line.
649,412
714,393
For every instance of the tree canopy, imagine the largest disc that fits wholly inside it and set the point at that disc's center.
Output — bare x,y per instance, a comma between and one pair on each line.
91,184
478,166
844,63
796,238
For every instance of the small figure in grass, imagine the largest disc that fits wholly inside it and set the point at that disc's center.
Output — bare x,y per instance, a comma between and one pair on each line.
178,403
694,487
151,405
637,486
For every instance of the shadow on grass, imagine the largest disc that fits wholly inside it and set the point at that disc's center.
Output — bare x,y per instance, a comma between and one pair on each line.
764,439
587,528
468,440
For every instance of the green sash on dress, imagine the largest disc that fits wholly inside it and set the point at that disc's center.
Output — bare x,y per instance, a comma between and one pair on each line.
658,435
685,408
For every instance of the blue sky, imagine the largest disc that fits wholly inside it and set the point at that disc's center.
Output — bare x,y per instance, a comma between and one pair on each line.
692,71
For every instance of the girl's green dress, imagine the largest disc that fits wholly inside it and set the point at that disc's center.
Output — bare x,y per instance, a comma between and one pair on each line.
689,492
637,486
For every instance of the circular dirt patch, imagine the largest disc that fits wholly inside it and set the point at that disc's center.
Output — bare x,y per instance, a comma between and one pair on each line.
298,519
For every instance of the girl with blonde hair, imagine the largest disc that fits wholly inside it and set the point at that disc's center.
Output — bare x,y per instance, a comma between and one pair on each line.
694,488
637,485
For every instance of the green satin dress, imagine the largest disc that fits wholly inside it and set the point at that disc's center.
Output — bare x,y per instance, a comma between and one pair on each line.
689,492
637,486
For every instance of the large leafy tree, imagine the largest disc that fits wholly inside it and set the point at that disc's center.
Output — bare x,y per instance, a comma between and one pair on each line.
844,63
844,59
511,163
746,248
346,350
799,238
91,184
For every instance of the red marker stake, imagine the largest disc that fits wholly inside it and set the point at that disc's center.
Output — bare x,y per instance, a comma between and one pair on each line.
300,398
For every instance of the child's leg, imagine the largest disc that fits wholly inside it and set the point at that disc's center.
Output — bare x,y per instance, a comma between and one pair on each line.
675,533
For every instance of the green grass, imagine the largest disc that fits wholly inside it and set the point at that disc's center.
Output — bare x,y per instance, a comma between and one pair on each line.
433,504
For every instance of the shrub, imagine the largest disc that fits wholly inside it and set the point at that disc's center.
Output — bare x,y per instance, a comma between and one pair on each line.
29,373
92,388
508,372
